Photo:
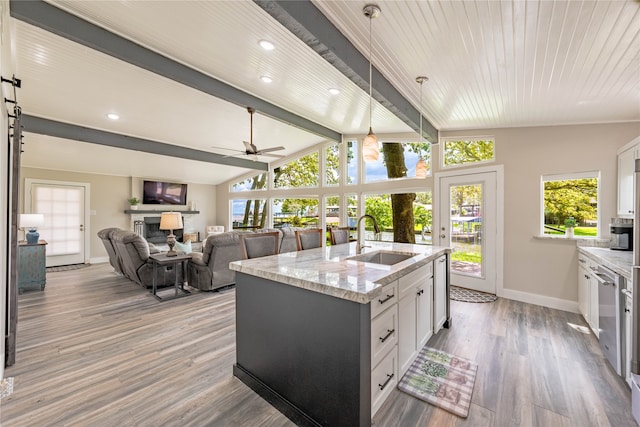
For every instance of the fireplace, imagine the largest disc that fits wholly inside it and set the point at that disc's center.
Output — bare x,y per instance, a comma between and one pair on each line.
153,234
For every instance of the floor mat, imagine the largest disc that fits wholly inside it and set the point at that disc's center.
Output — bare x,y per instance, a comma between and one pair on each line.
467,295
66,267
442,379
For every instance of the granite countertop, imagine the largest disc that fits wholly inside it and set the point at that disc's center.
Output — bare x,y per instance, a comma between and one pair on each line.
326,270
619,261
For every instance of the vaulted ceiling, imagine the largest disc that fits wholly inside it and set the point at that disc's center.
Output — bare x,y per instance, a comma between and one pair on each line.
181,73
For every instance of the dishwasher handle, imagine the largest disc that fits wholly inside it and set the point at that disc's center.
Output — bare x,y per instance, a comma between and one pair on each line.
604,279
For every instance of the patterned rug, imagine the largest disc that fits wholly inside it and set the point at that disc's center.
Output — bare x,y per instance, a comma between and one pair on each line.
66,267
441,379
467,295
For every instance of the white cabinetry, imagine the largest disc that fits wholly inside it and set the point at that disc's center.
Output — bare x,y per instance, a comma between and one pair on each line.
384,349
588,292
626,184
439,292
414,314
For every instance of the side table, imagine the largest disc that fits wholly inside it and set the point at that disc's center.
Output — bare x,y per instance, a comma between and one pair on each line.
32,268
162,259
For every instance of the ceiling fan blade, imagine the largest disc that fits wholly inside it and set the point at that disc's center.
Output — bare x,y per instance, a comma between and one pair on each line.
280,156
266,150
248,147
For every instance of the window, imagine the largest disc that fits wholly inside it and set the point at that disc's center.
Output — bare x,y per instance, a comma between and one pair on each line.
379,206
570,196
295,212
256,182
299,173
458,152
352,162
248,214
398,160
332,165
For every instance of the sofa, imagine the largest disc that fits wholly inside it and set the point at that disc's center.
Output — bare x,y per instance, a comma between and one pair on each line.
209,270
129,255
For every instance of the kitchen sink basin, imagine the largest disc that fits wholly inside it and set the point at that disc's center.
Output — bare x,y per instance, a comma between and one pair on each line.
383,257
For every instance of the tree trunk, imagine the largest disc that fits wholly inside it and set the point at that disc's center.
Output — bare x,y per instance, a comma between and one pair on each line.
401,204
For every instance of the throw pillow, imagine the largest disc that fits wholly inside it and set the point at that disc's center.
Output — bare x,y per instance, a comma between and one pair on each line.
184,247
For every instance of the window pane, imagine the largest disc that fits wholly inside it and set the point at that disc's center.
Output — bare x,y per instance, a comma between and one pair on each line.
257,182
302,172
570,200
380,207
352,213
398,160
462,152
293,212
352,162
332,165
466,229
331,214
248,214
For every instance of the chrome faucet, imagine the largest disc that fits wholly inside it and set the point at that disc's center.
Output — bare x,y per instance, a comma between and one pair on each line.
376,230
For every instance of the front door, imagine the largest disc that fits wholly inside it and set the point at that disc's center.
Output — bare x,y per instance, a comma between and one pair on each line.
63,208
468,223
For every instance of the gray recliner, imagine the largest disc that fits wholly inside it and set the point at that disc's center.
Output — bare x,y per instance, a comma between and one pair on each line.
209,270
105,236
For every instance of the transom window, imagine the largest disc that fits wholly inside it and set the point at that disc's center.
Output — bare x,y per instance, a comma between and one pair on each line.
398,160
464,151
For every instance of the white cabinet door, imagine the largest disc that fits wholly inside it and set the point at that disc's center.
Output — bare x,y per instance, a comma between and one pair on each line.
626,183
424,316
594,311
407,331
439,292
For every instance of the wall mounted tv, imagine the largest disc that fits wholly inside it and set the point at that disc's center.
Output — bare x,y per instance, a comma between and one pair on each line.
163,193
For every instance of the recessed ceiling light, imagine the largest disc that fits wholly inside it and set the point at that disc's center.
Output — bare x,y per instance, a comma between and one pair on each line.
266,45
113,116
266,79
334,91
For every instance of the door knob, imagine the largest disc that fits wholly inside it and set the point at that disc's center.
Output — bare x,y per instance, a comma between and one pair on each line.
81,227
442,236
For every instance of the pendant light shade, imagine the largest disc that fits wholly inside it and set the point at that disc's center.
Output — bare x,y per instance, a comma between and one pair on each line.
370,146
422,168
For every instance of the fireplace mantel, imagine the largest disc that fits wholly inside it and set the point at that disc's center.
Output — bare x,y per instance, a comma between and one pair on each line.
157,211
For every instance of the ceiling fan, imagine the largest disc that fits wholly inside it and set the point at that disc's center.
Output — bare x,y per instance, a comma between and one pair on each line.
249,147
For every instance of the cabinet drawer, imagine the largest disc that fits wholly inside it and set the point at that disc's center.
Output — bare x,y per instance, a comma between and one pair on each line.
387,298
416,277
384,334
384,379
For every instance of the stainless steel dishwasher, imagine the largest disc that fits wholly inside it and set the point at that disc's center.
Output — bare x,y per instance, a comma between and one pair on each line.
610,317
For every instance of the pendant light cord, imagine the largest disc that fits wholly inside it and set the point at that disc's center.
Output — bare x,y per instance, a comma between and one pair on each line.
370,113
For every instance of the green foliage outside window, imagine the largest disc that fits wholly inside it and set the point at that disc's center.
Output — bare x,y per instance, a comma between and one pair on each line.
462,152
571,198
300,173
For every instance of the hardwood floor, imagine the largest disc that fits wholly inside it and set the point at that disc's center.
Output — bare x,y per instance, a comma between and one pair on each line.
95,349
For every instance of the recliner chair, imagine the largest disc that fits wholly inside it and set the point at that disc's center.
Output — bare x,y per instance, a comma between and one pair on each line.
209,270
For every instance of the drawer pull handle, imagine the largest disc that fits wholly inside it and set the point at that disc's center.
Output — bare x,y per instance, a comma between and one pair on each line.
420,292
442,260
382,386
582,261
382,301
389,333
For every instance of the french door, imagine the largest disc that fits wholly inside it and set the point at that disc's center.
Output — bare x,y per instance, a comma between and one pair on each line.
468,223
63,208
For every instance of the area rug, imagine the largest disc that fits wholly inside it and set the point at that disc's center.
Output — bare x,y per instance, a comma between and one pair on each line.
467,295
442,379
66,267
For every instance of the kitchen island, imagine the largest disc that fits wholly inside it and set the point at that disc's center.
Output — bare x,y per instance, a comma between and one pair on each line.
319,334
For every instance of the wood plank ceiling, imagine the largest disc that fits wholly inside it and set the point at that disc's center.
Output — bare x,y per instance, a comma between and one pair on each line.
490,64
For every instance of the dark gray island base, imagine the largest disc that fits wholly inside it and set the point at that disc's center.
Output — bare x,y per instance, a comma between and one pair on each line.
307,354
320,334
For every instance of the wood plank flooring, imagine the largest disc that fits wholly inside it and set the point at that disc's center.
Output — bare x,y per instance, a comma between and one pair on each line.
95,349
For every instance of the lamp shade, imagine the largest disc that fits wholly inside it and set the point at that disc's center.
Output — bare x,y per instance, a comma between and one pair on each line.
170,221
421,169
370,147
31,220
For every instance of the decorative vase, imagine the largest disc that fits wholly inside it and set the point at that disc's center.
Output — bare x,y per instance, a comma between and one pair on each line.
568,232
134,207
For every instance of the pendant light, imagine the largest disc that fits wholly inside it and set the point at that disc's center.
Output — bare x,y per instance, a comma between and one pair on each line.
370,146
421,166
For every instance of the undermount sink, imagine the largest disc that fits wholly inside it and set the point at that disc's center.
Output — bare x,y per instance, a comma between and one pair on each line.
383,257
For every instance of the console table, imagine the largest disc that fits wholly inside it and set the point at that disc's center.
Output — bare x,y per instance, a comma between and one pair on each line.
32,268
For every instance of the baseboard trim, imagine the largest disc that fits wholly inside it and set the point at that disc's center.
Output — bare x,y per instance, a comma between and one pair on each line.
99,260
545,301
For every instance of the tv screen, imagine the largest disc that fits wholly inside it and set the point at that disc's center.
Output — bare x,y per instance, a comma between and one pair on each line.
164,193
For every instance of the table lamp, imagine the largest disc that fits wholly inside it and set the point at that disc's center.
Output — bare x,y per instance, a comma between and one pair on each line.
171,221
31,222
